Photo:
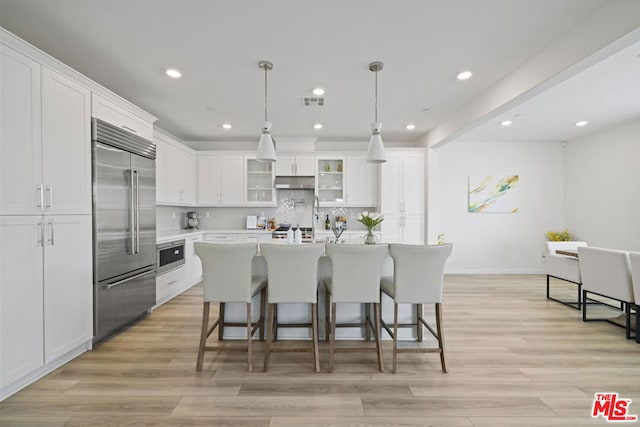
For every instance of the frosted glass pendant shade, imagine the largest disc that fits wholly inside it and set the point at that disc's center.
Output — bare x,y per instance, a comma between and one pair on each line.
375,153
266,150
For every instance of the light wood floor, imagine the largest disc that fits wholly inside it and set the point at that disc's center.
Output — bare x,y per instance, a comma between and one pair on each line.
515,359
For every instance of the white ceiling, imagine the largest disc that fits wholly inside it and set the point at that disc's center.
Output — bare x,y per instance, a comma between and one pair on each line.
126,46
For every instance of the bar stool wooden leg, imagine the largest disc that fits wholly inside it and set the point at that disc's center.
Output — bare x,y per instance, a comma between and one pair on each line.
367,321
333,336
267,349
263,297
314,327
221,326
275,322
203,335
249,358
395,335
376,316
420,310
327,308
440,331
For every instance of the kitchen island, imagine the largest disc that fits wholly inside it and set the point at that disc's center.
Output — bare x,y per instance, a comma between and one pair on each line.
296,313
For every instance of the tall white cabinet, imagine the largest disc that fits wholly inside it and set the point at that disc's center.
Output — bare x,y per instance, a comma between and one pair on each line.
402,193
45,219
176,176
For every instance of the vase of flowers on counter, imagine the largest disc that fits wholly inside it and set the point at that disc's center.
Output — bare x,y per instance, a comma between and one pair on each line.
370,220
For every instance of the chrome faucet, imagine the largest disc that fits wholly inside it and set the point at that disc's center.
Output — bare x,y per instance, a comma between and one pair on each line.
315,217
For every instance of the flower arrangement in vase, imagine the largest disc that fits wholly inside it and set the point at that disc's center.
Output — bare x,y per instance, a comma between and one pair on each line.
370,220
559,236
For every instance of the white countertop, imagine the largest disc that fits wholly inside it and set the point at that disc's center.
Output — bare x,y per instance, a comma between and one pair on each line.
168,235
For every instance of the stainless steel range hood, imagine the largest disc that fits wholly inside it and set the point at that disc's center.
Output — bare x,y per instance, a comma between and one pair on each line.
295,182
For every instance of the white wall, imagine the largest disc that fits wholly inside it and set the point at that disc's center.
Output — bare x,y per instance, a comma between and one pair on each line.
498,243
603,188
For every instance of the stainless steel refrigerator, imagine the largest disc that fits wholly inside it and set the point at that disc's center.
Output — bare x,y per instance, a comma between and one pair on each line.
124,227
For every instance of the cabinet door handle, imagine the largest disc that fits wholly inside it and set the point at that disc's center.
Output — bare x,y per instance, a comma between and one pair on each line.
129,129
50,193
51,233
40,189
40,240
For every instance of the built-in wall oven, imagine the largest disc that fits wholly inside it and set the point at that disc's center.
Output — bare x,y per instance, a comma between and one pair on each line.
170,255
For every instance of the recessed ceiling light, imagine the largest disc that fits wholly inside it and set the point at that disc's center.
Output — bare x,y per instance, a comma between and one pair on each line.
318,91
410,126
173,73
582,123
464,75
317,126
506,122
227,126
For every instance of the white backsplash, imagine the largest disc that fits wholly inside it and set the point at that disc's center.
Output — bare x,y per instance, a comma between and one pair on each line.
295,207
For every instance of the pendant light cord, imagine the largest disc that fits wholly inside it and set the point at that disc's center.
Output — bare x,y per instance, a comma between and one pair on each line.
376,121
265,93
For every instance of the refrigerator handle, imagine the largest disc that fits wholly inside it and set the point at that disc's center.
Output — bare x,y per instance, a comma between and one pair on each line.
128,279
132,218
137,211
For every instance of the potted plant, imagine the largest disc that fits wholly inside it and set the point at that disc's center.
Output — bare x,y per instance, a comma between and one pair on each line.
370,220
559,236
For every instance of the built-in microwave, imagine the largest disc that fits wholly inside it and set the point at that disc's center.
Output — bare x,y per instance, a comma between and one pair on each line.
170,255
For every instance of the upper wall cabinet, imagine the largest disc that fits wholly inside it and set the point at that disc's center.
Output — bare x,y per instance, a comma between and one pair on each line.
259,181
361,181
45,130
330,180
110,112
176,177
221,180
295,165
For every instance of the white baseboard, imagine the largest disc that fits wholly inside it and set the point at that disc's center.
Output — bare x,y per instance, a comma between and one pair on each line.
10,389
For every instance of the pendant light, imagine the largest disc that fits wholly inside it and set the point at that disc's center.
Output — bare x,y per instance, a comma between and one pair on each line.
375,153
266,149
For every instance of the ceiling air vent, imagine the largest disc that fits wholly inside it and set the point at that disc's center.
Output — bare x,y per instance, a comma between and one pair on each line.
312,101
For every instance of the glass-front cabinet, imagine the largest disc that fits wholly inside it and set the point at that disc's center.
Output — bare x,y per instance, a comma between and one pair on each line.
259,182
330,181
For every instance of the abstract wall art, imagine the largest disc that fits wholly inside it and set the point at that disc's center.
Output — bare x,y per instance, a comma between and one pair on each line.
493,194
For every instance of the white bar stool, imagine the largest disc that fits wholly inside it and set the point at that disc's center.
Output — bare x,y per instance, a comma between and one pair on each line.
355,278
226,273
292,272
418,277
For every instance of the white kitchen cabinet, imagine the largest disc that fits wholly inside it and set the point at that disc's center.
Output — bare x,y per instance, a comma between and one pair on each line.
330,180
180,179
169,284
259,181
46,140
46,287
361,181
220,237
176,178
117,115
221,180
402,197
21,297
20,132
193,265
66,144
68,279
295,165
